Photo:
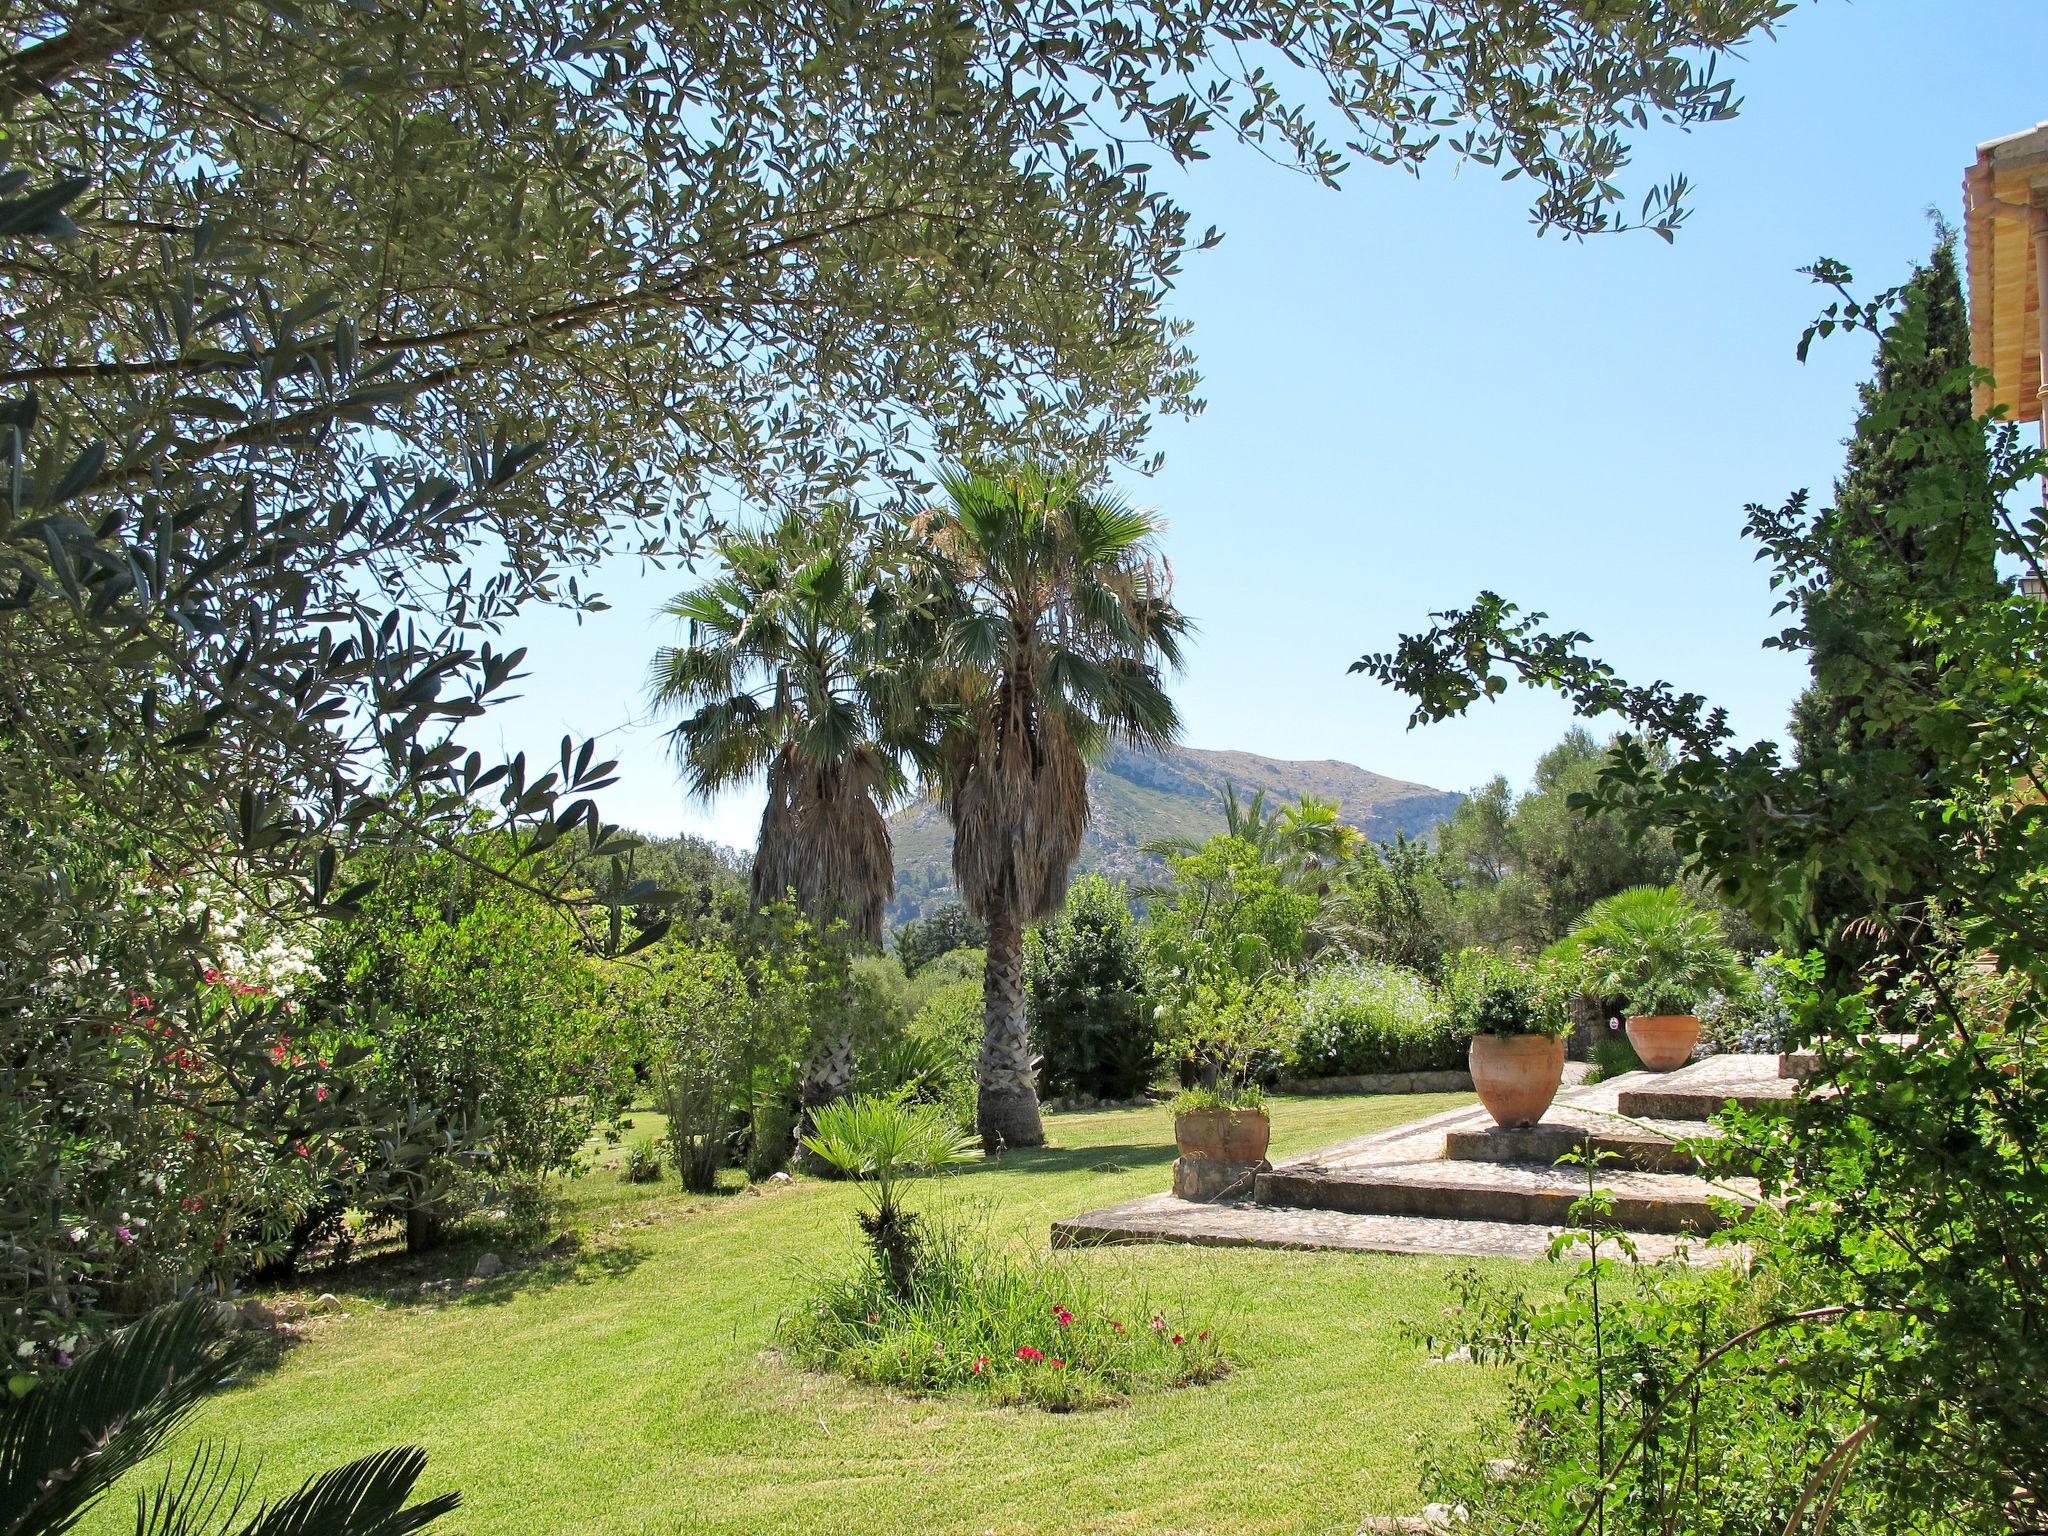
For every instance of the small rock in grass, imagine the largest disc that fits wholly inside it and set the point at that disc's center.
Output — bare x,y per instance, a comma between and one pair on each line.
488,1267
257,1314
327,1301
780,1177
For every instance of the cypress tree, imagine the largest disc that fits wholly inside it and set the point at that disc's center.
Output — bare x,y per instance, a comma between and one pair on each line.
1911,524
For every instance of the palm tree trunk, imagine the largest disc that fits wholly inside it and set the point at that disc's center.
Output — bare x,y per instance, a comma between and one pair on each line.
1006,1108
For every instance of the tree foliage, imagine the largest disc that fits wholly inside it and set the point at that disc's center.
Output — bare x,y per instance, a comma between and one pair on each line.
939,932
1084,978
1915,1225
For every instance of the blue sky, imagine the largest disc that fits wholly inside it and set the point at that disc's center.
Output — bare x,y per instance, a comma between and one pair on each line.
1412,398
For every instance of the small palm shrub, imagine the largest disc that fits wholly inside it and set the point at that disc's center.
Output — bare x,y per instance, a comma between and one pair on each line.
1037,1331
1653,948
884,1143
1365,1017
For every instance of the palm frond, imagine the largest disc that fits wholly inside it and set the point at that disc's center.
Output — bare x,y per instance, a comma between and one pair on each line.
74,1433
367,1497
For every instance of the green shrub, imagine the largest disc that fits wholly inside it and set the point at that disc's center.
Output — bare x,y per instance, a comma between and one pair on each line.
950,1026
1228,1035
1503,992
1611,1055
643,1163
1041,1331
1084,976
1365,1018
942,931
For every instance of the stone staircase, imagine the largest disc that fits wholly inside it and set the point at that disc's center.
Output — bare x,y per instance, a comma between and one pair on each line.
1457,1183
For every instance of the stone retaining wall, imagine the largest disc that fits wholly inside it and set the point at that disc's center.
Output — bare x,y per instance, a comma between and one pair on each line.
1383,1082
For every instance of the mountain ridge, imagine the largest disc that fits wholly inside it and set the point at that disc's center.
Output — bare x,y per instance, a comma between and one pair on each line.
1140,797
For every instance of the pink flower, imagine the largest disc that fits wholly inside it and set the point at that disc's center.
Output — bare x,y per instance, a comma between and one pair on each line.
124,1234
1178,1339
1158,1323
1063,1317
981,1365
1116,1327
1026,1352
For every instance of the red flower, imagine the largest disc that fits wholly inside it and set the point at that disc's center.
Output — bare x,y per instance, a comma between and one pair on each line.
874,1317
1205,1336
1058,1365
1063,1316
299,1147
1026,1352
1116,1327
1178,1339
981,1365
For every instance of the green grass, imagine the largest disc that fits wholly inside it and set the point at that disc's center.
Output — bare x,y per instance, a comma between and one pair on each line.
628,1382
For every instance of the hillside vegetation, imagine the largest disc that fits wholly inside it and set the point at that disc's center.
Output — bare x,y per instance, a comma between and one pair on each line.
1138,797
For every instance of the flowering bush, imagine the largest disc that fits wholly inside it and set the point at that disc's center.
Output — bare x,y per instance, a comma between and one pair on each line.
1041,1332
1751,1014
1504,992
1372,1018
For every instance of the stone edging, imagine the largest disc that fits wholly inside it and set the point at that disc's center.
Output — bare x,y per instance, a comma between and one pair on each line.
1382,1082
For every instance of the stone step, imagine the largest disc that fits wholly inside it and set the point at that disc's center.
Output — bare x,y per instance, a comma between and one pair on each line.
1608,1142
1449,1190
1241,1224
1800,1065
1702,1089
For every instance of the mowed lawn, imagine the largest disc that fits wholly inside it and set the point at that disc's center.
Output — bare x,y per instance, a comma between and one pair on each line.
629,1383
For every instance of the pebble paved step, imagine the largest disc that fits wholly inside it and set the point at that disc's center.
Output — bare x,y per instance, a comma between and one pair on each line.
1610,1142
1453,1184
1702,1089
1241,1224
1447,1190
1803,1064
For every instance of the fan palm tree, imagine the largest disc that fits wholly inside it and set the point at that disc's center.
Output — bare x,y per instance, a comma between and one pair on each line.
792,669
1061,620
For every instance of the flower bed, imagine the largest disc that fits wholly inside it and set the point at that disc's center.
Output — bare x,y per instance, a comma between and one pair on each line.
1016,1331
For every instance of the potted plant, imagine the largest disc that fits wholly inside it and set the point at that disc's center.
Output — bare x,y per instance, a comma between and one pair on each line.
1513,1010
1223,1029
1662,954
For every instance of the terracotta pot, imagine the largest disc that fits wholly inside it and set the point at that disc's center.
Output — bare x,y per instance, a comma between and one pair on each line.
1223,1135
1516,1075
1664,1041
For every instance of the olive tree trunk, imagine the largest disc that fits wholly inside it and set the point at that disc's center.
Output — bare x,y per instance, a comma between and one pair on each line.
1006,1108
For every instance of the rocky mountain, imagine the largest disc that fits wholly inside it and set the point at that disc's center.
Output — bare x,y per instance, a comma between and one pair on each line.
1142,796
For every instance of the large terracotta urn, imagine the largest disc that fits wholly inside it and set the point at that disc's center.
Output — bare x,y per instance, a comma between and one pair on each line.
1664,1041
1516,1075
1223,1135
